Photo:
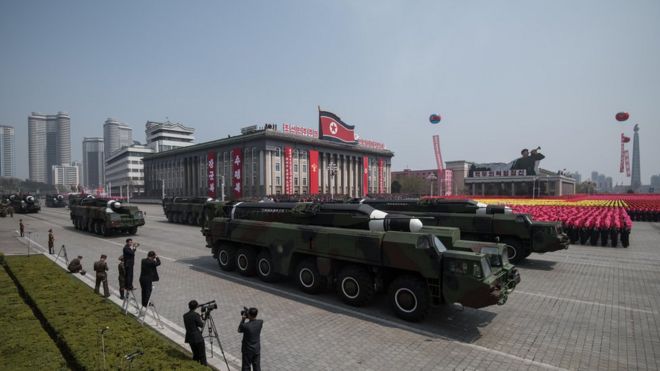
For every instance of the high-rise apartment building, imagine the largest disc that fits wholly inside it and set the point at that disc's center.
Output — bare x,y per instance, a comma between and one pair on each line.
93,162
49,143
115,136
7,151
163,136
124,170
636,179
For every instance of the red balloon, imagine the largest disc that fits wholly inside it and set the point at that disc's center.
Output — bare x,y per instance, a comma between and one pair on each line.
622,116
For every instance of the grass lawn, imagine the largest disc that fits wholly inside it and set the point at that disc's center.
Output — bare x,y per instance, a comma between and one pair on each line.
76,315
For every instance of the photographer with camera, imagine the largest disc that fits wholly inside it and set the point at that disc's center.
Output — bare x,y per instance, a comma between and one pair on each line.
129,262
251,347
194,327
148,275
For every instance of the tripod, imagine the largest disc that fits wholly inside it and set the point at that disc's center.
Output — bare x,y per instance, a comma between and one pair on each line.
63,253
213,333
150,306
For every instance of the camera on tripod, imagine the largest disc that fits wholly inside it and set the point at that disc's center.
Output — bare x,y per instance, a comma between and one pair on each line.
207,307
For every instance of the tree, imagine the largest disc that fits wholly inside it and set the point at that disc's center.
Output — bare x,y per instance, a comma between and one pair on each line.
414,185
396,187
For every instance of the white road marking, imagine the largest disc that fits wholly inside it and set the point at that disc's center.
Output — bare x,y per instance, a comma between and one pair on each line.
585,302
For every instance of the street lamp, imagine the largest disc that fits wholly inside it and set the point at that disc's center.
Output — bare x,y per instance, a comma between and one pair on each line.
432,178
332,171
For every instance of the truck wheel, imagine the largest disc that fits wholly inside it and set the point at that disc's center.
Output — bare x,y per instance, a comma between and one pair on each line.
409,298
132,230
169,217
265,267
96,228
514,250
190,219
227,258
308,277
246,261
102,229
355,286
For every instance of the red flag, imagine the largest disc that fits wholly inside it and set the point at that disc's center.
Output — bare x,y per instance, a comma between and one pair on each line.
333,128
624,139
313,172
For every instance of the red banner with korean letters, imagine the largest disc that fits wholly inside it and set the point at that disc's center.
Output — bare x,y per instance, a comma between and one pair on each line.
211,173
365,176
381,176
236,176
313,172
288,170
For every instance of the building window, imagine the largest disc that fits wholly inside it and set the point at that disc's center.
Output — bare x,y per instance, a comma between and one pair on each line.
277,166
304,181
295,168
304,168
277,152
277,180
295,181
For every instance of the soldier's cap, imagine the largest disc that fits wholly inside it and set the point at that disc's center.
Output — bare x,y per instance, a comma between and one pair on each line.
50,230
524,150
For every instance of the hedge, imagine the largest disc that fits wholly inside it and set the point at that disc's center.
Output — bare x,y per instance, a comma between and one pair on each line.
74,314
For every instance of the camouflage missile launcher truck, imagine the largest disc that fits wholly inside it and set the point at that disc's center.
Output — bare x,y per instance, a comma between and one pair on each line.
481,222
185,210
104,216
24,204
55,200
370,253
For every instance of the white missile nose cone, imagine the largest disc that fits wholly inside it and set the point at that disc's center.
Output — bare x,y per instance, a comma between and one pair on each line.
416,225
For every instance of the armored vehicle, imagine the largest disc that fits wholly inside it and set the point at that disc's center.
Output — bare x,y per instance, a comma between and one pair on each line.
104,216
365,252
481,222
186,210
55,200
24,204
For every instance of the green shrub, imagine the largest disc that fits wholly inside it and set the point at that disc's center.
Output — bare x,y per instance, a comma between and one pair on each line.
25,344
76,315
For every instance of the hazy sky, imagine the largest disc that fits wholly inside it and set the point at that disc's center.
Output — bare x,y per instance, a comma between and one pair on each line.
503,74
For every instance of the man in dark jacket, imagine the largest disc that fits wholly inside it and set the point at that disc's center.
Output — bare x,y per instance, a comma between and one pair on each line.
194,327
121,269
51,242
251,347
129,261
148,275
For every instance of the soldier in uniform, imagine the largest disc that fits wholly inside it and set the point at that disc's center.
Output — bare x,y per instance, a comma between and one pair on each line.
10,210
121,269
51,242
101,267
21,227
75,266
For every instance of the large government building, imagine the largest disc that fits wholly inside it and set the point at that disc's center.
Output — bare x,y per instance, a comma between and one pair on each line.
263,161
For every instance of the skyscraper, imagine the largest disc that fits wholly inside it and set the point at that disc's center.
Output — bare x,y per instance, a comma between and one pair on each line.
7,151
636,180
163,136
49,143
93,162
115,136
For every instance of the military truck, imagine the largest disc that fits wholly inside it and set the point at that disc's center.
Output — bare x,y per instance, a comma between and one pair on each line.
481,222
104,216
55,200
24,204
185,210
366,252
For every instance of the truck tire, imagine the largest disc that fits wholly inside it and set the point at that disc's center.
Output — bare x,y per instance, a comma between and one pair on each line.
97,228
515,251
169,217
103,230
308,277
246,261
132,230
355,286
190,219
265,266
227,258
409,298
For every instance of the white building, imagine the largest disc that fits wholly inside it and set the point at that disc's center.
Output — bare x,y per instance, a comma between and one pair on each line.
116,135
7,151
124,170
163,136
66,175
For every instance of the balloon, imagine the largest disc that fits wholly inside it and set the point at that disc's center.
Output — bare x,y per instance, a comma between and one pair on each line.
622,116
435,118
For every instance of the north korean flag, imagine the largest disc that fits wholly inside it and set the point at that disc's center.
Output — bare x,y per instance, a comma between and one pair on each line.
333,128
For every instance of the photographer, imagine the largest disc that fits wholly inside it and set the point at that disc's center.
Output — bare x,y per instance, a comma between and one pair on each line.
148,275
129,261
251,347
194,326
75,266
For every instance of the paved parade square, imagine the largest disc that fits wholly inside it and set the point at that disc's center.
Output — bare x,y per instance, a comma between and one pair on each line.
588,307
